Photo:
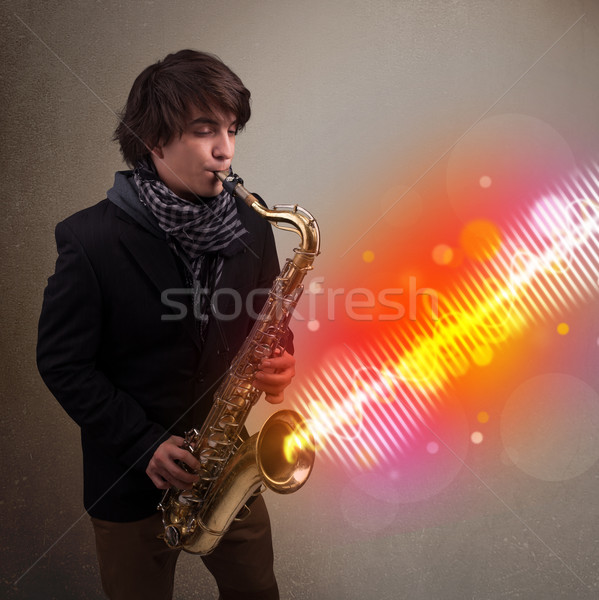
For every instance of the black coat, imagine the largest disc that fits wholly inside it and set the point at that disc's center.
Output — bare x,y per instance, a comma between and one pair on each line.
117,356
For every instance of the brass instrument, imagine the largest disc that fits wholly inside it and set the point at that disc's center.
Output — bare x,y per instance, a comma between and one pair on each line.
281,455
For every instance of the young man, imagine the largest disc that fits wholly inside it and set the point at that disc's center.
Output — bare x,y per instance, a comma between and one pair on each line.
133,339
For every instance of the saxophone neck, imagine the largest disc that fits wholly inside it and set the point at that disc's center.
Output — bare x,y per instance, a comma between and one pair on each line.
289,217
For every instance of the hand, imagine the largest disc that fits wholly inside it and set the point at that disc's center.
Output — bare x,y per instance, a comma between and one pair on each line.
165,472
275,375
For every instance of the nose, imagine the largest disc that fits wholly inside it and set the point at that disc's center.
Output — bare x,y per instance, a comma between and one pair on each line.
224,146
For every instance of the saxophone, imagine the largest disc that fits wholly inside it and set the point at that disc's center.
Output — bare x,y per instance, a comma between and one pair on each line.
281,455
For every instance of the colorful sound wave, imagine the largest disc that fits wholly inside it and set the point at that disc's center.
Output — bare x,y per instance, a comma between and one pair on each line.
367,408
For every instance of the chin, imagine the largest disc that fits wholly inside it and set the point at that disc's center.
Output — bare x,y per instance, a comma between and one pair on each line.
217,189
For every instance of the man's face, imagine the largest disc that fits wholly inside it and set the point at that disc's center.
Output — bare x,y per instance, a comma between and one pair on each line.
186,164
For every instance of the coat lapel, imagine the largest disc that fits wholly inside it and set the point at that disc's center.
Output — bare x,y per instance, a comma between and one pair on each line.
158,262
154,257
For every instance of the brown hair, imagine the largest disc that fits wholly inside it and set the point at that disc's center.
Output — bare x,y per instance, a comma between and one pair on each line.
162,94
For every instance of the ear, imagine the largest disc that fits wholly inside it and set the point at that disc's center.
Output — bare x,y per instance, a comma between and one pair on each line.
157,152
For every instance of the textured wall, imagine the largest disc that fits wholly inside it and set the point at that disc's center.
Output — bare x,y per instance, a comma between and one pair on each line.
348,97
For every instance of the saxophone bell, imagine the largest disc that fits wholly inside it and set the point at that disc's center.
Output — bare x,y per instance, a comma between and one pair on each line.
285,452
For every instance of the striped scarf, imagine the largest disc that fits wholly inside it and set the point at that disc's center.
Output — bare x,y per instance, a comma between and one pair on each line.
205,231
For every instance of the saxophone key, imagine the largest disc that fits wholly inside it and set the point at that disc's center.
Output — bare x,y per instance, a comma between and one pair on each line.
262,351
238,401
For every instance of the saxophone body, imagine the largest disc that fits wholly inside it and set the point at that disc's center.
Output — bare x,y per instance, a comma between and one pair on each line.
281,455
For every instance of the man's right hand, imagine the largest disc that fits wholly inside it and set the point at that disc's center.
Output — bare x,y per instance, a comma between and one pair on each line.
165,472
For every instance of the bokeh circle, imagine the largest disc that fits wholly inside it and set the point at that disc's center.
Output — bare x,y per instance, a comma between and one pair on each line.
501,161
549,427
429,464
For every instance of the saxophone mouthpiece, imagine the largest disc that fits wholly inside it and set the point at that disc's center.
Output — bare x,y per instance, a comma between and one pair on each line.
223,174
232,183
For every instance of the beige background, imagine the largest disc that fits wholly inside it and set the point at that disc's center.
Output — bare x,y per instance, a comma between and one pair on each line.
347,95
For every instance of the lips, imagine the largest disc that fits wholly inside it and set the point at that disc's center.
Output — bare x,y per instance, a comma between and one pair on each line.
224,167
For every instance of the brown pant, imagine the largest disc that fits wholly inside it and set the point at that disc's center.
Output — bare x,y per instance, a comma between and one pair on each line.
136,564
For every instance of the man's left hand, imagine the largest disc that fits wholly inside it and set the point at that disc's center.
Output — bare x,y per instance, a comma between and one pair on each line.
275,375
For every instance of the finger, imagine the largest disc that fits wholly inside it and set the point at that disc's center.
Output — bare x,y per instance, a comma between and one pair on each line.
274,398
158,481
264,381
164,484
273,377
167,454
176,473
282,363
272,390
164,480
174,476
280,357
182,484
190,460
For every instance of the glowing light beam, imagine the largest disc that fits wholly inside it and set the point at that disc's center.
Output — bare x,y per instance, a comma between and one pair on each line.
547,261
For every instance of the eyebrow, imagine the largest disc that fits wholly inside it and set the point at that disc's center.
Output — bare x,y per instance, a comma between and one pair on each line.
209,121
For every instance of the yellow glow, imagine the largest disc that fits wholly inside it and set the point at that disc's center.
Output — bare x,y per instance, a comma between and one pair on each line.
563,328
368,256
480,239
483,417
297,441
291,448
482,355
442,254
461,337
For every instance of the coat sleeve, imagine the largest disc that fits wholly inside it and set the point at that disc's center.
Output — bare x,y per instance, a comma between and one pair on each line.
69,336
